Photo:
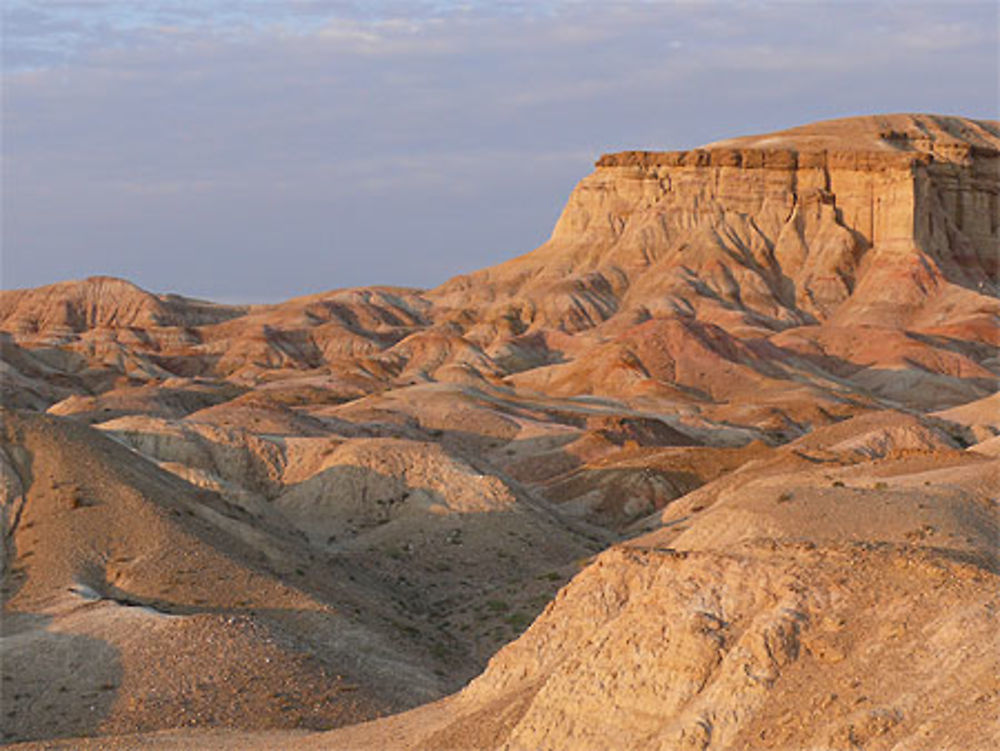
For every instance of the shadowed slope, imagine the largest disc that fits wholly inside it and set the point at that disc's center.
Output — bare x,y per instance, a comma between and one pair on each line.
105,548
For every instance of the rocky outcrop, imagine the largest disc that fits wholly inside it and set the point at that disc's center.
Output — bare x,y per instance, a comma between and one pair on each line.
662,649
855,219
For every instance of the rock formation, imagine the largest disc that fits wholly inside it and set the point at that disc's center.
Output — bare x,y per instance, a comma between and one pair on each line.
760,376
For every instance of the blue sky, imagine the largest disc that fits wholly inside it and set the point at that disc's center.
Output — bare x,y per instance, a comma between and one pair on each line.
259,150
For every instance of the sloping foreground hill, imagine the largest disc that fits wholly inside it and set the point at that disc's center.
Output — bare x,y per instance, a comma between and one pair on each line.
766,645
844,603
128,605
865,618
136,601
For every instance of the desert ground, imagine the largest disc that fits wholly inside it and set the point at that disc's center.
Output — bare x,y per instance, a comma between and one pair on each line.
715,467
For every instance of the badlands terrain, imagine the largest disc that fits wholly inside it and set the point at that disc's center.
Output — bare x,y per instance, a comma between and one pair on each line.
715,467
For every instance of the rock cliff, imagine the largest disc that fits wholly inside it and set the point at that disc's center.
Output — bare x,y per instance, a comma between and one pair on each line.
851,220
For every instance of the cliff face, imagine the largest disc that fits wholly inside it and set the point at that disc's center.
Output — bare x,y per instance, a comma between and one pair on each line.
810,225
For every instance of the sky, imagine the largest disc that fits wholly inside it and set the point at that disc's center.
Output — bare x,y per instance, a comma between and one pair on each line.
253,151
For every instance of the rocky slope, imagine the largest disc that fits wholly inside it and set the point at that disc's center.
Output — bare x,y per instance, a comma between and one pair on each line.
763,372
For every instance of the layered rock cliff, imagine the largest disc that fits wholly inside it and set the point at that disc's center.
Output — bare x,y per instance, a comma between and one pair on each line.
854,220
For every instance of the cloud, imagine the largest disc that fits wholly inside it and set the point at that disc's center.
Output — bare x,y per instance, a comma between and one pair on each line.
308,145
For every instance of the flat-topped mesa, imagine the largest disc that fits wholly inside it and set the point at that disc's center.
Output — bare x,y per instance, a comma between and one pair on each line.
858,220
805,222
963,178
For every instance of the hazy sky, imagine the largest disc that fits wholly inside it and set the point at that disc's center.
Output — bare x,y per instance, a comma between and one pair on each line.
260,150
